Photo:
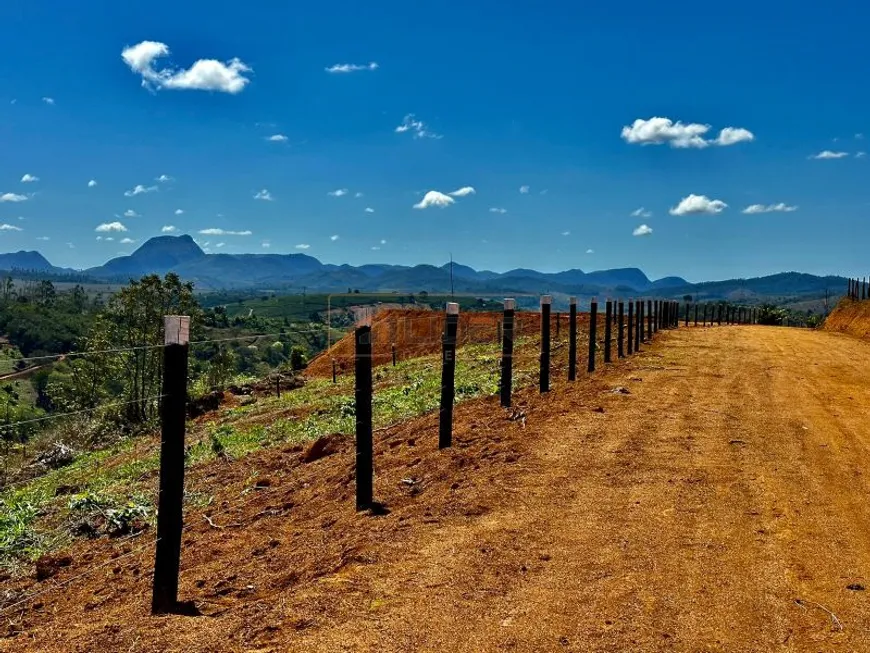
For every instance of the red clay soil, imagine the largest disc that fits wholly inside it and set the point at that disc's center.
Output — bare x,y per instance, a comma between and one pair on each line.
707,495
850,316
418,333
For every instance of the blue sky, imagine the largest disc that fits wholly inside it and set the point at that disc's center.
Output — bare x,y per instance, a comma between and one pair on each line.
501,97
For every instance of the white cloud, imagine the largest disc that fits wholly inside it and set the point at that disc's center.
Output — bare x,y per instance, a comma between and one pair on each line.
497,209
383,242
351,67
222,232
203,75
695,204
111,226
92,183
303,246
828,154
333,237
658,131
168,229
164,178
434,198
524,190
462,192
130,213
219,245
770,208
860,155
375,247
9,227
264,195
265,244
416,127
590,251
369,209
127,241
28,178
732,135
48,100
179,211
341,192
641,213
642,230
277,138
12,197
357,194
43,238
566,233
139,189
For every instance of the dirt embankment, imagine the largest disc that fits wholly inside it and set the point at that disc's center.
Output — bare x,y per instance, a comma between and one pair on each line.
850,317
418,333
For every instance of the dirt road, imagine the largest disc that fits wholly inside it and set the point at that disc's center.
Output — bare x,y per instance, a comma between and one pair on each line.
719,505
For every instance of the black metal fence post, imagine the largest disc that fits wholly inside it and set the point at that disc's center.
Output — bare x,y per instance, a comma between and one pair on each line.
649,319
544,376
507,352
608,334
631,327
173,414
448,376
620,336
572,338
593,326
363,409
334,372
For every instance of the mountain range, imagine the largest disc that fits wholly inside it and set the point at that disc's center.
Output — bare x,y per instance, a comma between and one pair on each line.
295,272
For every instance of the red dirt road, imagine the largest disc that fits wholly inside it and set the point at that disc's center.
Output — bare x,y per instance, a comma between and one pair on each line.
720,506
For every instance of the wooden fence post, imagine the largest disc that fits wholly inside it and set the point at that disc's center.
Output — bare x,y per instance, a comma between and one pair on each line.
631,327
572,338
507,352
620,336
363,409
649,319
608,335
173,415
544,376
334,375
593,326
638,336
448,376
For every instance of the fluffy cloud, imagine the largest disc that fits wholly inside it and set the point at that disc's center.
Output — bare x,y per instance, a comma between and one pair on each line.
265,244
222,232
264,195
164,178
860,155
462,192
351,67
657,131
641,213
10,227
696,204
277,138
179,211
369,209
92,183
434,198
130,213
357,194
12,197
769,208
416,127
566,233
592,251
732,135
28,178
642,230
203,75
303,246
168,229
524,190
43,238
496,209
333,237
139,189
111,226
127,241
828,154
341,192
48,100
